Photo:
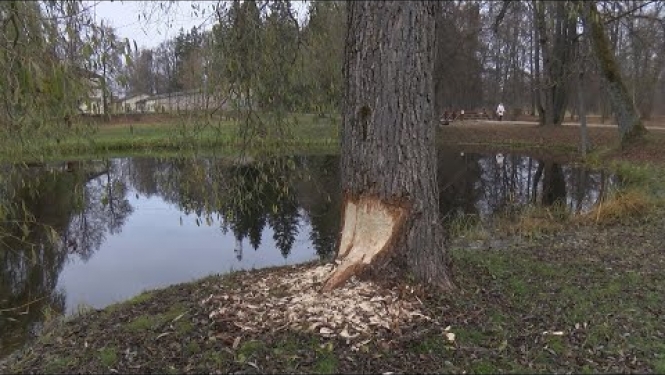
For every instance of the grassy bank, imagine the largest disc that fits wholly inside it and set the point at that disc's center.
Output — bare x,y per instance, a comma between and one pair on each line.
166,136
169,135
543,293
585,300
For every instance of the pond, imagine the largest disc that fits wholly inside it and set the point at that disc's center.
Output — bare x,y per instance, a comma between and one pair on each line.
98,232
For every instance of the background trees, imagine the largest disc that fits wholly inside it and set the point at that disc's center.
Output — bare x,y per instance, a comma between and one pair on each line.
521,53
105,52
39,61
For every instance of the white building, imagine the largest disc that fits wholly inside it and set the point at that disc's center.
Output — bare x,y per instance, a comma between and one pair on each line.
93,104
191,100
131,104
176,101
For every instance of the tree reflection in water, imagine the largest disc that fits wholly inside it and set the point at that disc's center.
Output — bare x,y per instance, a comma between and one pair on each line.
243,197
51,212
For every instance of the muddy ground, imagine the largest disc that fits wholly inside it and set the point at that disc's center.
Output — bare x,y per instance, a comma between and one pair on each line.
588,297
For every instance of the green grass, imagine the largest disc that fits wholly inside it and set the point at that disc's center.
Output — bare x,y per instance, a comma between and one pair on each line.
108,356
214,359
562,291
148,322
141,323
326,361
141,298
288,349
59,365
430,345
483,367
138,299
192,348
183,326
326,364
250,348
174,136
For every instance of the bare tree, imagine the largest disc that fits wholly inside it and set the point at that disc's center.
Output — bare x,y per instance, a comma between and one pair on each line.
557,46
644,55
630,125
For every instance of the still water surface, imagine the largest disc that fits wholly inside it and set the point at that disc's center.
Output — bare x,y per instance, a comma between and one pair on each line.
100,232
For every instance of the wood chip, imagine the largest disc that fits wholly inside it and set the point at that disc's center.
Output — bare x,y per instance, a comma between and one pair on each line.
236,342
356,306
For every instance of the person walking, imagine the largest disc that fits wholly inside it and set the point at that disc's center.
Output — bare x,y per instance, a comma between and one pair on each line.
499,111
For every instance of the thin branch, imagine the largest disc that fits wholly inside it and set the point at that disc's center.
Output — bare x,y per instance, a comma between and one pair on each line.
628,12
502,14
22,306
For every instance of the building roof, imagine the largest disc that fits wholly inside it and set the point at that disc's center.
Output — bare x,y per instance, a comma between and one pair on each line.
159,96
132,96
177,93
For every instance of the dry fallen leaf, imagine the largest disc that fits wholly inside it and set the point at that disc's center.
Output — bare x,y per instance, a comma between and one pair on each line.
236,342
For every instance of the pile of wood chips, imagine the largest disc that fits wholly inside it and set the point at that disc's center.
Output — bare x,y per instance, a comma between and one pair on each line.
354,312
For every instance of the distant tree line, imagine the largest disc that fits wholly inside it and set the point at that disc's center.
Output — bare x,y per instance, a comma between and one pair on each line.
525,54
521,53
257,49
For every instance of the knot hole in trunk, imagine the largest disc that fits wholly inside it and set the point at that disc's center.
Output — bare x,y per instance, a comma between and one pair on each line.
364,113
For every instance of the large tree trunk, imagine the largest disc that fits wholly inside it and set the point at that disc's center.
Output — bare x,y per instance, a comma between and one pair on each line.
537,26
388,162
554,184
105,101
630,126
581,112
581,105
557,49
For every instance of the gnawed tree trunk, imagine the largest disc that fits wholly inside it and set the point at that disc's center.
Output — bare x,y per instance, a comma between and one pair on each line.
388,162
630,126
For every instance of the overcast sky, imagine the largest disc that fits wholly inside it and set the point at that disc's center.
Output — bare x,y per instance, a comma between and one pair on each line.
160,25
128,18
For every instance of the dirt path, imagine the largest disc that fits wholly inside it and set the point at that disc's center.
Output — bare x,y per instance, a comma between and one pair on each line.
508,136
657,127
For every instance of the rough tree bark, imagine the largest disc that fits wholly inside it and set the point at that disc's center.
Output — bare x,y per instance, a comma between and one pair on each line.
557,49
388,162
581,112
630,126
536,60
581,105
554,184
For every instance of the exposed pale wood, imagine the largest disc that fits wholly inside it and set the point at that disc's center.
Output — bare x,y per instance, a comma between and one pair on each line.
369,229
388,161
